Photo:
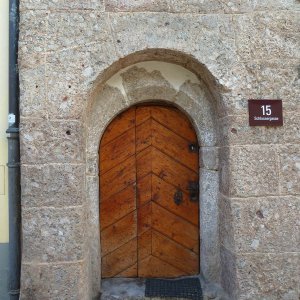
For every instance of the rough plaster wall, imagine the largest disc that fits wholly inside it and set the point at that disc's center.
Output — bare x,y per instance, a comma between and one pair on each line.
251,48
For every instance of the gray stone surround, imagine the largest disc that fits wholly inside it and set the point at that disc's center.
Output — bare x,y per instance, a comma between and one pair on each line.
137,85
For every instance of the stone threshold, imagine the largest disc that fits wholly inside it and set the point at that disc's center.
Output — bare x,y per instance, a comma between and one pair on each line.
134,289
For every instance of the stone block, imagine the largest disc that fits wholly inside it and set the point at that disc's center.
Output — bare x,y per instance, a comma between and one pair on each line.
62,4
199,7
268,5
53,235
71,75
235,130
228,274
268,34
224,170
263,224
93,236
234,102
94,274
44,141
280,80
235,6
66,92
210,251
289,133
137,5
239,84
267,79
226,225
33,88
86,53
33,32
268,276
209,158
193,99
290,169
77,28
77,4
33,5
48,281
143,32
92,167
52,185
249,171
92,196
209,38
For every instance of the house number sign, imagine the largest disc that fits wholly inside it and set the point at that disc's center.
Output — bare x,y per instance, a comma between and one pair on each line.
265,112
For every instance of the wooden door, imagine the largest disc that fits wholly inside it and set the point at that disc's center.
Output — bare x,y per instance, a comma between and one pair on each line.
149,208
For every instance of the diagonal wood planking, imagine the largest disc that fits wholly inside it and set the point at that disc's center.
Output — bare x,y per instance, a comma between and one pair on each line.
168,242
118,213
144,160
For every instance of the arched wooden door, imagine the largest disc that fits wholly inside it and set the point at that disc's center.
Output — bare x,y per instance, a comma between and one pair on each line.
149,208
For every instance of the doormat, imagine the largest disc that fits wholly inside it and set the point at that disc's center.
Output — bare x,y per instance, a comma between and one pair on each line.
188,288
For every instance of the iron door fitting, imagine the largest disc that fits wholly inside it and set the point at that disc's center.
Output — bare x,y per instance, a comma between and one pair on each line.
193,147
178,197
193,188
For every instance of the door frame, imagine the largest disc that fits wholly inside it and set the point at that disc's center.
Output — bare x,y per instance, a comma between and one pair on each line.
197,104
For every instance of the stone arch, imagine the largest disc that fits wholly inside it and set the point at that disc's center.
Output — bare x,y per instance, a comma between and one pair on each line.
157,81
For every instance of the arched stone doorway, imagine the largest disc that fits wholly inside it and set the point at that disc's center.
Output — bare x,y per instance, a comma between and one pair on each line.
150,81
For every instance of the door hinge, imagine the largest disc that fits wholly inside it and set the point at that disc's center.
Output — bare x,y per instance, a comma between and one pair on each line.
193,147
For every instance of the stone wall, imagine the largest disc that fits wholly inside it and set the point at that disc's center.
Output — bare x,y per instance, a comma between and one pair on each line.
68,52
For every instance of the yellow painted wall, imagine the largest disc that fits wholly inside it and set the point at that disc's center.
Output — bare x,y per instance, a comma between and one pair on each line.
4,25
